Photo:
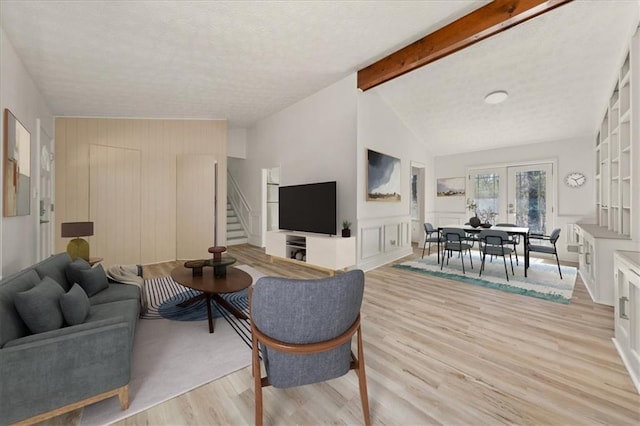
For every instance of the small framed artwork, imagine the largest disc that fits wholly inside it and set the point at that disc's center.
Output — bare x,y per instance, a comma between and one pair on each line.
17,167
451,187
383,177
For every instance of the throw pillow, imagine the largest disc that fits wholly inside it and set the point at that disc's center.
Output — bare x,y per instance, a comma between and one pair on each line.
73,270
93,280
75,305
39,307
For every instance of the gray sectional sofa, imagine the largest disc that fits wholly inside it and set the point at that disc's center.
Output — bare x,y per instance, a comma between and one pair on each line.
62,367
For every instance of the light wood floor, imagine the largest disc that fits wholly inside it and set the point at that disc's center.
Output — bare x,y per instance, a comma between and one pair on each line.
439,352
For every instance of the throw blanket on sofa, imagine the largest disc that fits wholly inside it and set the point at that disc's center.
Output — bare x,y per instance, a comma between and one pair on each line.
129,274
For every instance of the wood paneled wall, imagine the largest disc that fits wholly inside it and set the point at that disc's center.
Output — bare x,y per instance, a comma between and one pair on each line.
159,143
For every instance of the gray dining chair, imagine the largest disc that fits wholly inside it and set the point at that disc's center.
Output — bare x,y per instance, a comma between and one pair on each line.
429,230
455,240
549,248
494,242
303,329
513,239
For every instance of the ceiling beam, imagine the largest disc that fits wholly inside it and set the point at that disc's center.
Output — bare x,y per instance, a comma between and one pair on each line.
493,18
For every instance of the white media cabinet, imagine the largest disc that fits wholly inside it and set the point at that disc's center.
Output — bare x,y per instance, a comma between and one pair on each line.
326,252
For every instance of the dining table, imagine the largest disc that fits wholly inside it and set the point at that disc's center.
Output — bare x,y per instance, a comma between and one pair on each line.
511,230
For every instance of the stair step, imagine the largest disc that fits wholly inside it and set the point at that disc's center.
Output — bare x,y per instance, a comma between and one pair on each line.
235,234
236,241
234,226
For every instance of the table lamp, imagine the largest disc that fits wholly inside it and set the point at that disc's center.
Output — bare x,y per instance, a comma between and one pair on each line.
77,247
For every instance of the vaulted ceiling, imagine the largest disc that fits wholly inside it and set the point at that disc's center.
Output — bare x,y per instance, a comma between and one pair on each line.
243,61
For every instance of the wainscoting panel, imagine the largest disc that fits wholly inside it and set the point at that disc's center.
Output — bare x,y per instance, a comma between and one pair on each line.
370,242
383,240
391,237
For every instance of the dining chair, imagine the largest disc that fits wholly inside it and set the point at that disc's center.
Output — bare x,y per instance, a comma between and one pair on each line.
494,242
455,239
513,238
429,230
549,247
303,329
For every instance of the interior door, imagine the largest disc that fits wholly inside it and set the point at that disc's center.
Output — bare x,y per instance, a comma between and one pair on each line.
45,191
530,196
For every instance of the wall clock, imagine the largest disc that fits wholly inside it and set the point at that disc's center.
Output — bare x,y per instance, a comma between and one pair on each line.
575,179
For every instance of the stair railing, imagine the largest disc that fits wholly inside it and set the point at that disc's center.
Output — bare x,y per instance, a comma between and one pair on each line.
238,202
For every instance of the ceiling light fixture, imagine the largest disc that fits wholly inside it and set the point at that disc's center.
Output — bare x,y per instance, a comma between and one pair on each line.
496,97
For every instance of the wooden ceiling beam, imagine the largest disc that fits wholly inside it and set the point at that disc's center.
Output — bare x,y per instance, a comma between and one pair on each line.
493,18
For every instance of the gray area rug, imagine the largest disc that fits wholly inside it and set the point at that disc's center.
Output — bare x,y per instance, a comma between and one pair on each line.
174,357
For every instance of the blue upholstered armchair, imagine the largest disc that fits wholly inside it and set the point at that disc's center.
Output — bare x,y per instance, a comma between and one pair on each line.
304,330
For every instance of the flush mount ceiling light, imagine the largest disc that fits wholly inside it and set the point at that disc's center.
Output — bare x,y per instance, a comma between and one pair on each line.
496,97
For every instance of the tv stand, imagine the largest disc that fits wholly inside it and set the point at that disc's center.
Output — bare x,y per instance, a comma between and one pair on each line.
325,252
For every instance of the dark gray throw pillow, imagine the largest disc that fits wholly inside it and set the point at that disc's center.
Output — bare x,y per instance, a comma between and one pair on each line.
73,270
39,307
93,280
75,305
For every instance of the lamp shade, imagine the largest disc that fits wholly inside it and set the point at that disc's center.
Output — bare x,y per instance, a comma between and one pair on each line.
77,229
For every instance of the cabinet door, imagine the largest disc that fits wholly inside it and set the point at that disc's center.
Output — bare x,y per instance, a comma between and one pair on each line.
634,323
114,204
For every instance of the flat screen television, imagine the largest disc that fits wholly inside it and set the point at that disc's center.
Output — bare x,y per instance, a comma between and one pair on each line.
308,208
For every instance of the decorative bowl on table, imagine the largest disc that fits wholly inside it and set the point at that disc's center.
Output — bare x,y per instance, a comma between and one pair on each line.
486,225
474,221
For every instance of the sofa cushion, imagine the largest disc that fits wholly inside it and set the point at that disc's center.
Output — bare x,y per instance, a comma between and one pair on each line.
54,267
73,271
116,292
75,305
127,310
11,325
39,307
93,280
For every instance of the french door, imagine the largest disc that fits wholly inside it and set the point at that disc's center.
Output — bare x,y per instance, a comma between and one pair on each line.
520,195
530,197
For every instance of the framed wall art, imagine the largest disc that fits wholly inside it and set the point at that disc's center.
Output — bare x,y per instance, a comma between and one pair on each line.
451,187
17,167
383,177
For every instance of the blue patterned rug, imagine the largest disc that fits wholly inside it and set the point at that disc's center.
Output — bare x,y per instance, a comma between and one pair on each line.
164,294
542,281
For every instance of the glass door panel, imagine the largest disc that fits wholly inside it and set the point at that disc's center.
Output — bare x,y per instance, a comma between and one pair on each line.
486,190
530,197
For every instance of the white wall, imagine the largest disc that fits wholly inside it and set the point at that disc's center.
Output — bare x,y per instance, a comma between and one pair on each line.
570,155
20,95
384,228
237,142
311,141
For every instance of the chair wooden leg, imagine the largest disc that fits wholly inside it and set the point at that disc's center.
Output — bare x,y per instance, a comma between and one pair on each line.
257,380
362,380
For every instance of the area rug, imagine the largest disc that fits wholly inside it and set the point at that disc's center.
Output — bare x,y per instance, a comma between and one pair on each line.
173,357
542,281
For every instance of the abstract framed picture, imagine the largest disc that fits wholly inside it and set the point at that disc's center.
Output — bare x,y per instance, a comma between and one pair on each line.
17,167
451,187
383,177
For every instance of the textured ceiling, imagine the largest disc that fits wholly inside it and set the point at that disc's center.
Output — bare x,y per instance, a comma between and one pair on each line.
245,60
558,69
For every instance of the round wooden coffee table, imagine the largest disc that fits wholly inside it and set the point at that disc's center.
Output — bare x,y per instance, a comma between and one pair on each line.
212,286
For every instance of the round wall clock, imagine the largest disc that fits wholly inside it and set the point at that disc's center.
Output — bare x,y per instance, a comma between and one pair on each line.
575,179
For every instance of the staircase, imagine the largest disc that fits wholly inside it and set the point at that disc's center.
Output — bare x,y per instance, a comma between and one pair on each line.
235,231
